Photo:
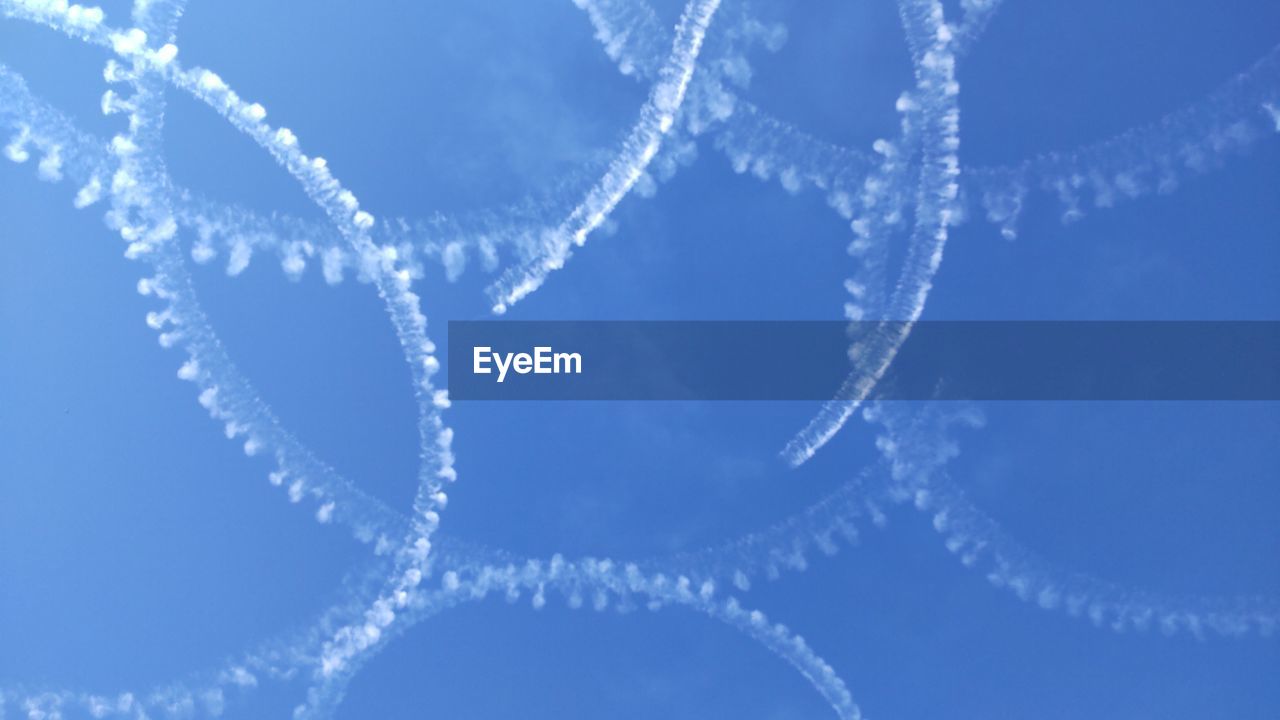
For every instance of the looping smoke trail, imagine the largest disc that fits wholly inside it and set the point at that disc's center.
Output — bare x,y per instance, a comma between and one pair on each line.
390,597
128,196
138,185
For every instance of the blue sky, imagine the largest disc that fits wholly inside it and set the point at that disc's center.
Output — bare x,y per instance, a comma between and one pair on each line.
139,547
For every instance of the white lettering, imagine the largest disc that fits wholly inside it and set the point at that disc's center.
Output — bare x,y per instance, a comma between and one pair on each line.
502,366
572,363
523,363
479,364
543,361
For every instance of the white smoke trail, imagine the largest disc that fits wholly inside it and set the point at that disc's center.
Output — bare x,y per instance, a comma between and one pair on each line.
631,33
1154,159
142,211
135,190
977,14
918,448
355,639
33,124
874,201
228,397
935,99
605,581
483,239
819,530
240,233
639,149
522,229
981,544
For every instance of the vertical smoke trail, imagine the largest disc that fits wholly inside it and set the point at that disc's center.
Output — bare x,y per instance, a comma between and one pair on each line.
935,99
639,149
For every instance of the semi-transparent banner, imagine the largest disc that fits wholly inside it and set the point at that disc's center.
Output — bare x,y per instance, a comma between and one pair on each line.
819,360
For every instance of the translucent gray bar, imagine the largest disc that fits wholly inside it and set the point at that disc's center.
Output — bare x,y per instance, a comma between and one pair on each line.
810,360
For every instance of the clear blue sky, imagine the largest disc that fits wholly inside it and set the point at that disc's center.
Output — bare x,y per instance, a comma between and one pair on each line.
138,546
